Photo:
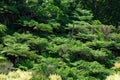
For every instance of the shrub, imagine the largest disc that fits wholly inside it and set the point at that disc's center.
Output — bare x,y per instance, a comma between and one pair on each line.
2,58
97,44
17,75
79,26
86,37
32,24
17,50
5,66
113,77
55,77
116,65
114,37
3,28
106,30
93,69
25,64
28,39
47,66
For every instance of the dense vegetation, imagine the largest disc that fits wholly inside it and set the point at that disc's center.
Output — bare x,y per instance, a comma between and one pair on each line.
71,39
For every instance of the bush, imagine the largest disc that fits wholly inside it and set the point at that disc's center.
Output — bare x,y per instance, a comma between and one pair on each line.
25,64
47,66
55,77
97,44
93,69
114,37
17,75
32,24
3,28
5,66
113,77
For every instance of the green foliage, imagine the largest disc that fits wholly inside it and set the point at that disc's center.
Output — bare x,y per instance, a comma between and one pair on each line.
114,37
92,68
59,37
76,50
82,15
25,64
2,58
47,66
18,50
86,37
96,22
5,66
100,44
37,26
108,13
2,28
79,26
83,70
